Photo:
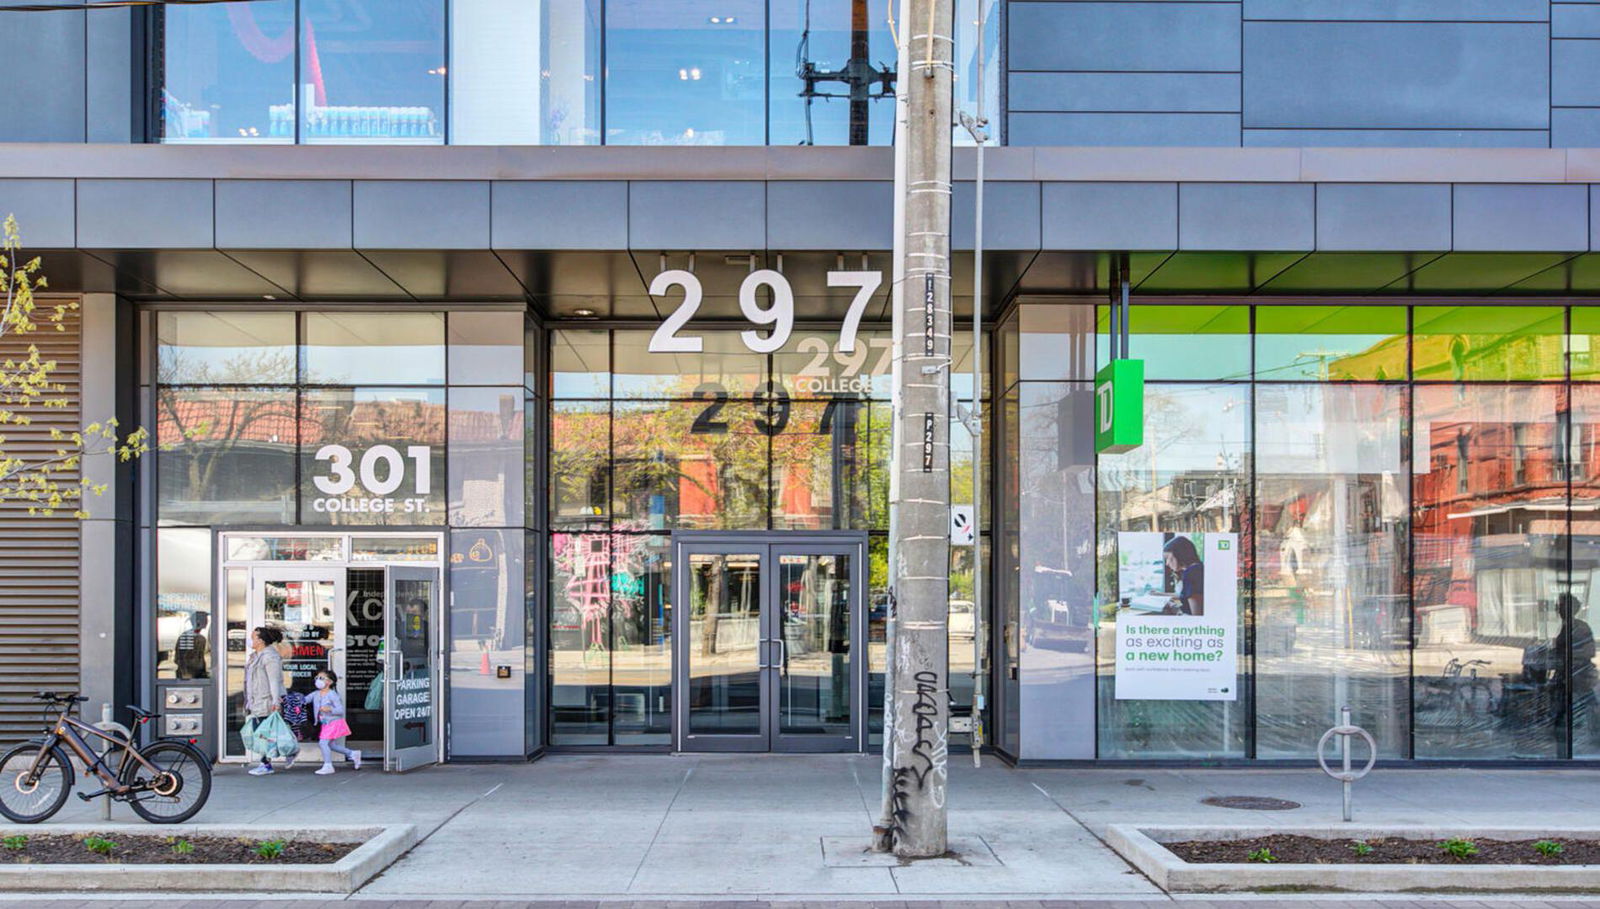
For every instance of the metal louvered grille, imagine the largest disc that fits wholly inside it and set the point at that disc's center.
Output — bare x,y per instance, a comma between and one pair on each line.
39,555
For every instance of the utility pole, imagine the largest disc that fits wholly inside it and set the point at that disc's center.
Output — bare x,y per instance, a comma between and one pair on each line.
919,569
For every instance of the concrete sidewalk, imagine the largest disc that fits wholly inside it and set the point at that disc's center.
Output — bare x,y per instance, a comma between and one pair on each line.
641,827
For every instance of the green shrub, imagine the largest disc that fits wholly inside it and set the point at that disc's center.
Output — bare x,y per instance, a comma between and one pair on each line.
20,841
1547,848
1263,855
99,845
270,849
182,846
1459,848
1361,847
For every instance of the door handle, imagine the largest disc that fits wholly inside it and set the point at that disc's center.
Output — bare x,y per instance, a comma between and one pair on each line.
783,659
761,654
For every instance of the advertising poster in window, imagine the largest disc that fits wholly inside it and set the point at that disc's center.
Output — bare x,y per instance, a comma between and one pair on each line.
1177,616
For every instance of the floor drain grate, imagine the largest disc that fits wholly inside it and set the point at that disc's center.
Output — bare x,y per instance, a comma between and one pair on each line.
1249,803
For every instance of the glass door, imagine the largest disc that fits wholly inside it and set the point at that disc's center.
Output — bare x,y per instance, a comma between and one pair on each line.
306,604
410,668
767,642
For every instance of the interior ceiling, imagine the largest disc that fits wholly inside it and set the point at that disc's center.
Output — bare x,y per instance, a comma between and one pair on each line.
614,284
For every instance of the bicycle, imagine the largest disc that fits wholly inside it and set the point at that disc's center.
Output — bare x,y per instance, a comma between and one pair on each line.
166,782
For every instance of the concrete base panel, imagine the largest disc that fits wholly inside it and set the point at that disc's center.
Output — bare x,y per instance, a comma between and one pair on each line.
381,846
1142,846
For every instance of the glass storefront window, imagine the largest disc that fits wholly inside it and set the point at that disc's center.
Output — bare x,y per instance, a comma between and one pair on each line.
641,639
1577,617
225,348
486,457
580,363
228,72
580,638
372,71
1183,341
1488,343
227,455
1192,475
685,74
1050,342
819,474
349,348
691,465
811,365
284,549
372,456
525,72
580,464
1583,344
184,633
1490,562
1331,343
725,367
815,46
485,348
1332,617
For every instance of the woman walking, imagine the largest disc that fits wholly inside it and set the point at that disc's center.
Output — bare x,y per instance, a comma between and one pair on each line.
263,686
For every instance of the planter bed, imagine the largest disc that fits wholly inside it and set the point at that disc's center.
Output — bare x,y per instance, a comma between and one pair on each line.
224,858
1198,859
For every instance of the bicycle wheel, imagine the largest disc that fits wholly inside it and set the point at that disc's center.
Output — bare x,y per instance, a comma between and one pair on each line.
180,789
31,801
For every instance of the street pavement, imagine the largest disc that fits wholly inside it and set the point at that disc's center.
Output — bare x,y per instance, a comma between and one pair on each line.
751,829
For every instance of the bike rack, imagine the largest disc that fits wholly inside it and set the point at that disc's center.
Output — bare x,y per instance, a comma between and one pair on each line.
1344,731
107,724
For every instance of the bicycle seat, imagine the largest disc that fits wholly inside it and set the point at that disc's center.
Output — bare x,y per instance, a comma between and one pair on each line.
141,715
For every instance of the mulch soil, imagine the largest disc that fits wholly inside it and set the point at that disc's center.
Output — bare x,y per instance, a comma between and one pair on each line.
145,849
1310,850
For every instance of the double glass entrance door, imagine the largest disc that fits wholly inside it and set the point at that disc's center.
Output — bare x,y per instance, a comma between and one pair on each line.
769,633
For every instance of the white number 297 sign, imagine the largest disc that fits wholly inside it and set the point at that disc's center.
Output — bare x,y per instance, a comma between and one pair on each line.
779,315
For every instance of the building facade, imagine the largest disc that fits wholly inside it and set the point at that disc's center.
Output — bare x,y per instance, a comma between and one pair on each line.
529,364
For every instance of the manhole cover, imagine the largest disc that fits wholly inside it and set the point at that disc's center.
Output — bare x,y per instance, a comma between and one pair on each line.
1249,803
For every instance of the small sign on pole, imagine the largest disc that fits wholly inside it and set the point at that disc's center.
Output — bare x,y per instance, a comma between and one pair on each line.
963,527
1119,407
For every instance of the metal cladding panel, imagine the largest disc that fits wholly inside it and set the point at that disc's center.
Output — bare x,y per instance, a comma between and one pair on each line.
1069,128
421,214
679,215
1521,218
44,209
556,214
39,555
1259,217
1119,37
1406,10
45,53
273,214
1099,92
1575,20
145,214
109,42
1397,75
1010,215
1121,216
1397,138
1575,127
1574,73
830,216
1371,217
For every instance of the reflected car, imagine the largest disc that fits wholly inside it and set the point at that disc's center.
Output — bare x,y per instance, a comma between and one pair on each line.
963,619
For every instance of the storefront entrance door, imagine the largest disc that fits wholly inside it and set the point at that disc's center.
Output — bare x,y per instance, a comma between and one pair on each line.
411,679
768,639
306,604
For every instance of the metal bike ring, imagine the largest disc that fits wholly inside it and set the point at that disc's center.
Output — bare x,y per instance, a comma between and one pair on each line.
1352,775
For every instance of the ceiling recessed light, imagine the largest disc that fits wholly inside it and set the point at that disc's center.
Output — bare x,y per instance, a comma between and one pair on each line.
583,313
268,297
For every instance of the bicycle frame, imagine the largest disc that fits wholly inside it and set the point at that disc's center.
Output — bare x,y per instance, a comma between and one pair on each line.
69,731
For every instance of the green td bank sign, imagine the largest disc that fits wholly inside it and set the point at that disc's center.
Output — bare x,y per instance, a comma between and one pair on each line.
1119,407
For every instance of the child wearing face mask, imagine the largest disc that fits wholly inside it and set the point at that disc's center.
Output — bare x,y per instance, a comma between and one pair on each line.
329,709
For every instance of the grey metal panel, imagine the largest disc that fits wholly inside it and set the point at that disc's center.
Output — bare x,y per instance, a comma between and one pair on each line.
320,274
1246,216
1396,74
1370,10
1575,127
144,214
1574,69
1396,138
1575,20
1153,92
44,210
1121,216
421,214
283,214
1010,216
1122,129
44,54
109,75
1521,218
578,214
830,216
1121,37
1369,217
708,214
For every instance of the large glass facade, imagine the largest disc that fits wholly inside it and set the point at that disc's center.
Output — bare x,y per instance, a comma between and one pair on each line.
1410,488
548,72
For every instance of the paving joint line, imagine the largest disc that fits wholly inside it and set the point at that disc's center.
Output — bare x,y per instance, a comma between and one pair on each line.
654,837
423,838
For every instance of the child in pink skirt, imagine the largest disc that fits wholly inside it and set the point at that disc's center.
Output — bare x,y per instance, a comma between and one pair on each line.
329,709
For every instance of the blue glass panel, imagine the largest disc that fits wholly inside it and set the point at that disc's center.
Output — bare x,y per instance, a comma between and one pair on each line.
685,73
229,73
832,73
372,71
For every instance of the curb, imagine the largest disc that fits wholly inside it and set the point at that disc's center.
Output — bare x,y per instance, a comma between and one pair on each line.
380,846
1141,845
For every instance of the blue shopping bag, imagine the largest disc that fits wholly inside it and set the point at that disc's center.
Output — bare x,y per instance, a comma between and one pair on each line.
270,737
